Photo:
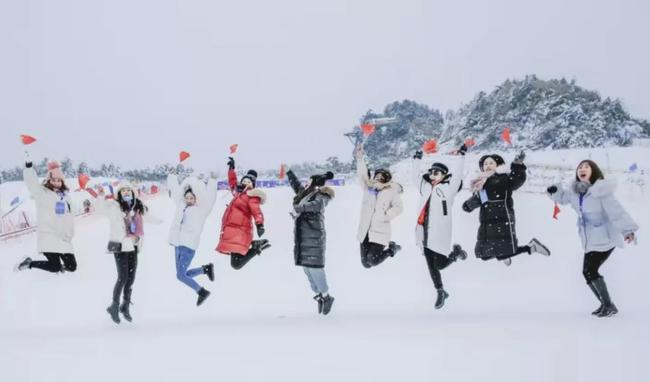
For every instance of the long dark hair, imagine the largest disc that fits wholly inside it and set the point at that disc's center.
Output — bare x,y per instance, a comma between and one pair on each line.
138,206
64,188
596,172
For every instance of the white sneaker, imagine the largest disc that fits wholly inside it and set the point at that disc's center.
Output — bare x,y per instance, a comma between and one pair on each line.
537,247
507,262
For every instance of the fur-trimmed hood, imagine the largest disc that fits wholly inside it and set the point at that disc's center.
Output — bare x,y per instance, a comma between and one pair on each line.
257,193
329,191
600,189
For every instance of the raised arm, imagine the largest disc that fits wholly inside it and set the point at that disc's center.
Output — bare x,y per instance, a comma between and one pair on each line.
210,195
559,194
232,175
174,187
294,182
362,168
318,204
31,181
517,176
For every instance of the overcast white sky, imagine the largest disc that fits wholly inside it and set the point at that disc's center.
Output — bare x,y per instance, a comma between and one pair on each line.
135,81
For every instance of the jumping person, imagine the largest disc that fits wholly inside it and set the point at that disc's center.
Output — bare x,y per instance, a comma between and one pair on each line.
492,193
194,201
438,188
55,220
603,225
382,202
310,234
236,238
125,213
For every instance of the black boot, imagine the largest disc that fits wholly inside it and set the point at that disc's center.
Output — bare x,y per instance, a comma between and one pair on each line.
25,264
113,310
457,253
319,300
600,308
393,248
209,271
609,309
328,301
257,246
203,294
442,296
124,309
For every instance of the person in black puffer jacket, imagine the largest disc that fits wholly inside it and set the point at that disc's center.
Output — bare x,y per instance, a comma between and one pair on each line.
309,233
492,193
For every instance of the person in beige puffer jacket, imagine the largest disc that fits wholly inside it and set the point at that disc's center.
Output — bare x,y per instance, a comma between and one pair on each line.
382,202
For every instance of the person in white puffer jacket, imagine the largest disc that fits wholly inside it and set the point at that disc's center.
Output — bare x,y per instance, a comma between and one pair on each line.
125,213
194,202
603,225
382,202
438,187
55,220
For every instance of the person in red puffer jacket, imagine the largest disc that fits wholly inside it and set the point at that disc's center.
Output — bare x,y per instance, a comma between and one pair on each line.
236,238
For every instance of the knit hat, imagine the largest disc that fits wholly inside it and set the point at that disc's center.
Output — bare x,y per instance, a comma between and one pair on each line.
495,157
251,175
385,173
320,180
439,167
124,184
54,171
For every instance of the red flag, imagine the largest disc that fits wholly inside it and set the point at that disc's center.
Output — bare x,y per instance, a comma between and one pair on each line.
233,148
556,211
183,155
368,129
430,146
282,173
506,136
469,142
83,181
27,139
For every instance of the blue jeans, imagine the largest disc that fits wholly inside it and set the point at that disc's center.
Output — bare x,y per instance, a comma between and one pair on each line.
317,279
184,258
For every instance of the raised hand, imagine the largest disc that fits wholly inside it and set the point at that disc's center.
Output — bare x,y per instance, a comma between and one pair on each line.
552,190
520,157
231,163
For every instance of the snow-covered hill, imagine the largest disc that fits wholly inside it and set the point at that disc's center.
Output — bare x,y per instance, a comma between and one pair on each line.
527,322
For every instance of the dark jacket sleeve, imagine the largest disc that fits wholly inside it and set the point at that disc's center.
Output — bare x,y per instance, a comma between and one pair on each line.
472,203
294,182
517,176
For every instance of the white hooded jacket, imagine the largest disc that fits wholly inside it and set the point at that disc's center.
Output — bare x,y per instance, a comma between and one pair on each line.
188,222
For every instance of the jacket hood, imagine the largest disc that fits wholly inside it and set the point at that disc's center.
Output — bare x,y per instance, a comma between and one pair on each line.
602,187
199,188
329,191
257,193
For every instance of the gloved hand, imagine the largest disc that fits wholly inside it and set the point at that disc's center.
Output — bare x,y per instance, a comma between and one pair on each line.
260,230
297,208
418,154
630,238
519,159
552,190
462,150
214,175
231,163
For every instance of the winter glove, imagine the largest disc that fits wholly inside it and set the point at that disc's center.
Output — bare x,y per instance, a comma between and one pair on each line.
214,175
630,238
552,190
297,208
260,230
519,159
231,163
462,150
417,155
28,159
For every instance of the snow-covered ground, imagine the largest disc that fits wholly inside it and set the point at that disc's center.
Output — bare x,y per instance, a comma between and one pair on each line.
527,322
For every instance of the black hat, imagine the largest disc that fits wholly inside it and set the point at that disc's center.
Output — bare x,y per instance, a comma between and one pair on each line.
319,180
189,190
495,157
385,173
440,167
252,175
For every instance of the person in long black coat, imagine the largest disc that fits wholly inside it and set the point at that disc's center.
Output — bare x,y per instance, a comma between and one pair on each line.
492,193
309,233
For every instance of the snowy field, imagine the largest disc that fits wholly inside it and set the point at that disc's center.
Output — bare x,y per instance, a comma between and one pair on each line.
527,322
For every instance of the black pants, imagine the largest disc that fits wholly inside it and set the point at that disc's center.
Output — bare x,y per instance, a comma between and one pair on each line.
436,262
591,265
519,251
127,263
237,260
53,263
373,254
